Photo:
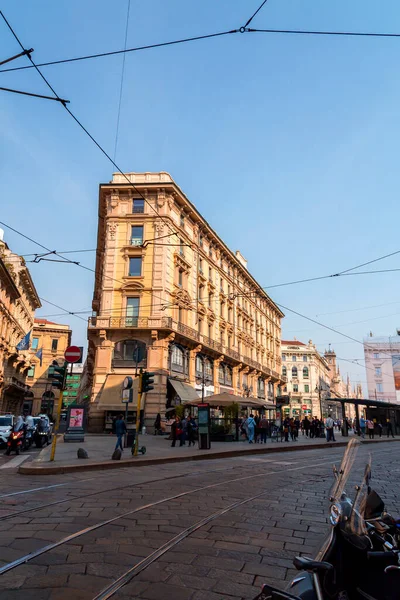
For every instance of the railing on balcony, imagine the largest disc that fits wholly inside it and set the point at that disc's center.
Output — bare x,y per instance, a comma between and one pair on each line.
136,322
211,343
232,353
185,330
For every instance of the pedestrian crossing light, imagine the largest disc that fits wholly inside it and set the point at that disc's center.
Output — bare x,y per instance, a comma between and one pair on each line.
57,375
147,381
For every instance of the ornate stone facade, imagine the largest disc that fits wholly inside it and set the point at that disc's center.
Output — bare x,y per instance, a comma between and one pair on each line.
165,281
18,302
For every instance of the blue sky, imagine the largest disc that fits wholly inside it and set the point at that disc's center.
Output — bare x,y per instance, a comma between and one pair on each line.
288,145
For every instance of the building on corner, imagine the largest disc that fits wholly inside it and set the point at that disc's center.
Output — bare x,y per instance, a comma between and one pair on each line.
172,298
48,343
18,302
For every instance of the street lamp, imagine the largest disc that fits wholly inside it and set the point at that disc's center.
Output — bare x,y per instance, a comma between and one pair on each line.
204,381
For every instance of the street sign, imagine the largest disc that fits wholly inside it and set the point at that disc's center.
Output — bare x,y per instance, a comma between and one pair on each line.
304,407
127,396
73,354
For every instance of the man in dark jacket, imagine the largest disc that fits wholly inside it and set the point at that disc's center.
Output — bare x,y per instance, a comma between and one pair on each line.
120,430
306,425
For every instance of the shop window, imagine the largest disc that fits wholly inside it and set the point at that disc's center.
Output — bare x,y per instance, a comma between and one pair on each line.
221,374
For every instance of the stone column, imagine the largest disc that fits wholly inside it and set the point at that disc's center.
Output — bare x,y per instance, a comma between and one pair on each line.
192,364
217,362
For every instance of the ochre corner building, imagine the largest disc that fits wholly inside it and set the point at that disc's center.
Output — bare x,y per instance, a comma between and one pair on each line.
167,284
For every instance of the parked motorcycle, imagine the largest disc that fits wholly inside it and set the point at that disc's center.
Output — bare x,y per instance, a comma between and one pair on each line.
6,425
361,557
43,432
15,442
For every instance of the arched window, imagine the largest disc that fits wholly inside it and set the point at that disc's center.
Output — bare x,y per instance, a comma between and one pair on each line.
177,359
284,371
228,375
294,371
221,374
199,365
305,372
128,352
208,369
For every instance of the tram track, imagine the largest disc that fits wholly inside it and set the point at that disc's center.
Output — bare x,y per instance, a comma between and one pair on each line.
113,489
40,551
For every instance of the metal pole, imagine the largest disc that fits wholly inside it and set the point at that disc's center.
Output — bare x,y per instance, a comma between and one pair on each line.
138,416
136,356
57,424
320,401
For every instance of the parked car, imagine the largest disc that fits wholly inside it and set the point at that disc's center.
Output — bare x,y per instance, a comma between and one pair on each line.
43,432
6,425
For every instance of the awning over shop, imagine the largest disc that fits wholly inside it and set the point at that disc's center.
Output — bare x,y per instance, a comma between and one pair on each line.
186,393
225,399
111,394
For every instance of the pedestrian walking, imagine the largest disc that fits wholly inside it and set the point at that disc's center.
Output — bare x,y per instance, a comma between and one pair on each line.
191,431
370,427
176,432
157,425
120,430
380,427
286,428
362,427
306,425
389,427
251,425
330,434
263,429
297,427
184,430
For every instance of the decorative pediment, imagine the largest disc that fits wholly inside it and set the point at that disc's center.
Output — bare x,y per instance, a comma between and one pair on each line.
182,299
132,286
182,262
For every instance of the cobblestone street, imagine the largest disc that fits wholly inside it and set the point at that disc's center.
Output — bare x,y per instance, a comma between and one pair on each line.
210,530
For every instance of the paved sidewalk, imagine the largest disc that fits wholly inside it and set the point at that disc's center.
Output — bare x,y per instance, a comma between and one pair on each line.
100,448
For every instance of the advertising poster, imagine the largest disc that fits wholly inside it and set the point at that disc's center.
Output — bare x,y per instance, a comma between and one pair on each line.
396,374
76,417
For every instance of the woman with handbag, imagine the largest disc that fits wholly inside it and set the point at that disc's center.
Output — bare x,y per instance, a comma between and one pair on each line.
176,432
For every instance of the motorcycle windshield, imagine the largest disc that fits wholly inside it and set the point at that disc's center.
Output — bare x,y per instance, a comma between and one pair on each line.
352,482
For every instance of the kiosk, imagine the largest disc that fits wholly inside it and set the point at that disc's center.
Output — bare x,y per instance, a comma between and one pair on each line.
204,426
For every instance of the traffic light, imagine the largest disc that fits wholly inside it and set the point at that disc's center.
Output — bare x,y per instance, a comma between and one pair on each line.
147,381
57,375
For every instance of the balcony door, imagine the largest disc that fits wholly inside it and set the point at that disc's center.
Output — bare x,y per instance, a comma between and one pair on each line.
132,311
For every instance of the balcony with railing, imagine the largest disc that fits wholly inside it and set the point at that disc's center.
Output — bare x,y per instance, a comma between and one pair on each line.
168,323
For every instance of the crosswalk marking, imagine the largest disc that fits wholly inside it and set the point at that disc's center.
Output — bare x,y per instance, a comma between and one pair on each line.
15,462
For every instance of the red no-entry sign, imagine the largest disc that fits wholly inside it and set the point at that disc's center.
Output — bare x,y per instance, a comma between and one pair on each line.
73,354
